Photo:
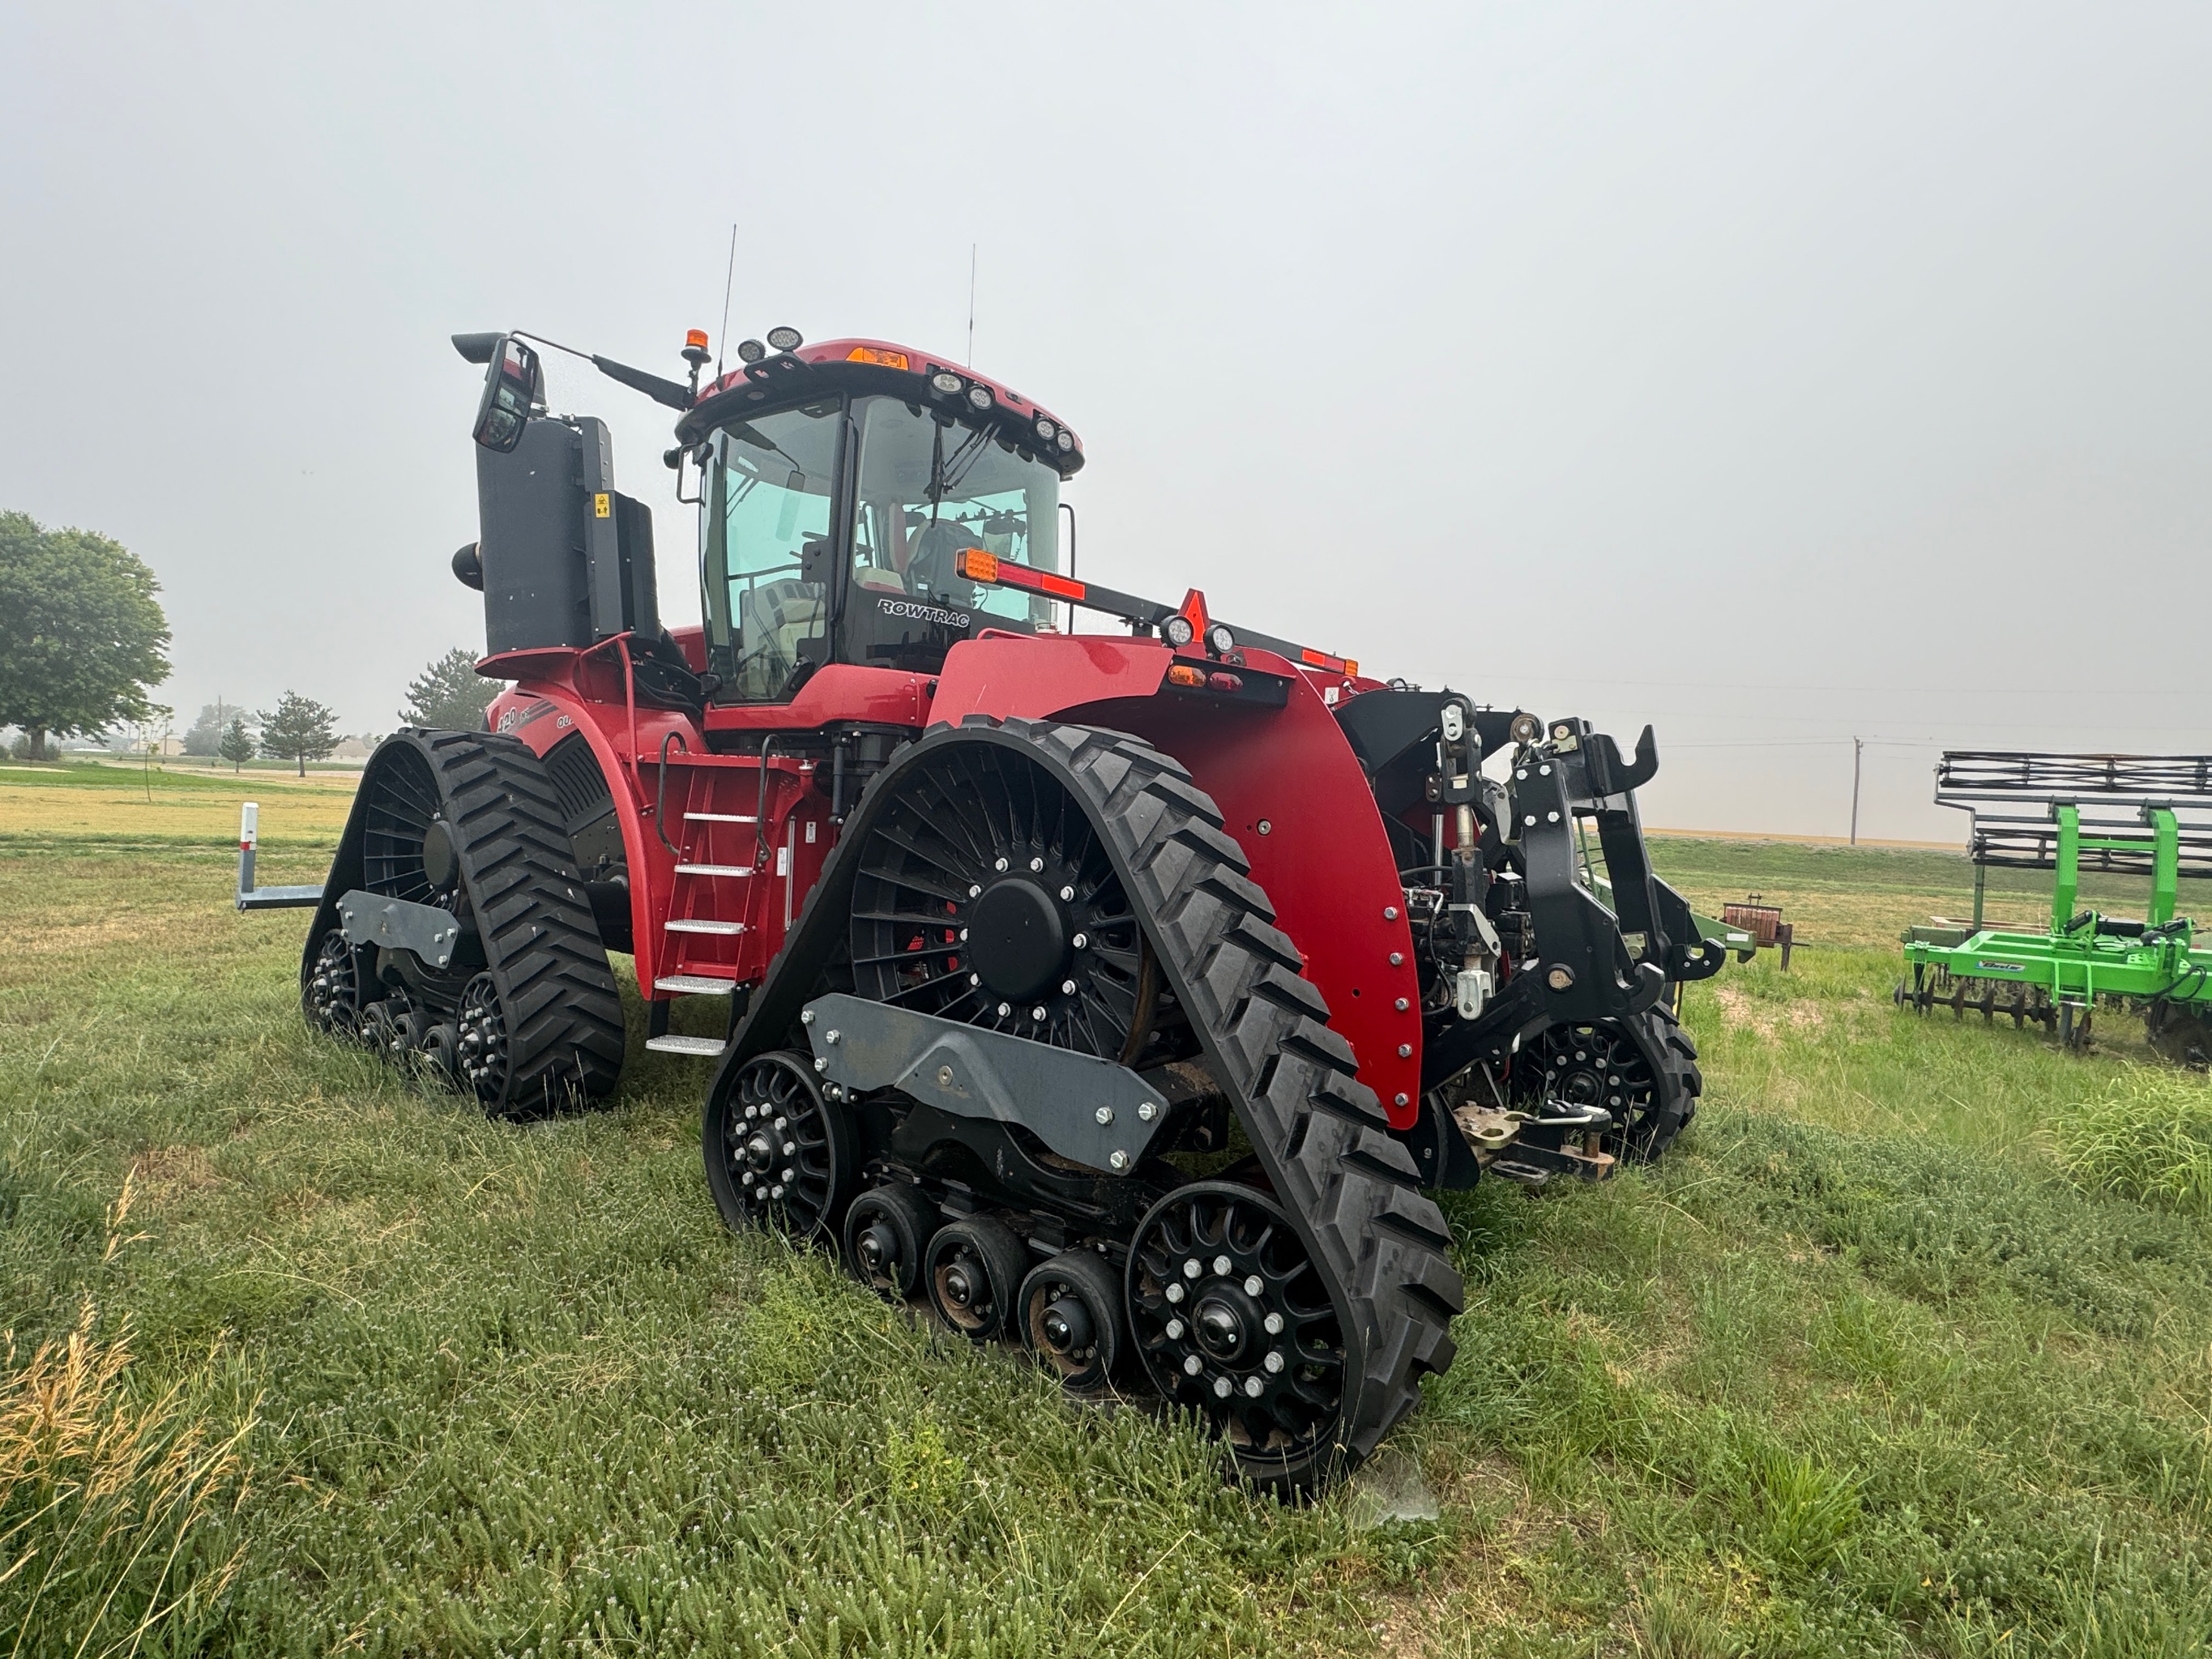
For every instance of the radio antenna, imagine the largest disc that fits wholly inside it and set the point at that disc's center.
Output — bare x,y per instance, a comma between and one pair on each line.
728,278
971,305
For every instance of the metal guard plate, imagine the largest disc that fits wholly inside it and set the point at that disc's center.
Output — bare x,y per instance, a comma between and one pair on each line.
970,1072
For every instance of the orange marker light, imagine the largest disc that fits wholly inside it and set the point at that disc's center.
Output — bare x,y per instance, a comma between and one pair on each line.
1183,673
977,565
882,359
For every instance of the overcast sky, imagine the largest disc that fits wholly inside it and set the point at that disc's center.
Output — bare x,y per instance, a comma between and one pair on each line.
1772,374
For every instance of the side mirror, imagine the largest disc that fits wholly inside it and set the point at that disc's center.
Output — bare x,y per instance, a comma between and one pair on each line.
513,386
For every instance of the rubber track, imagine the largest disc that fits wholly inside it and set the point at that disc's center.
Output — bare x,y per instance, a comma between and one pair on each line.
1321,1134
556,990
1673,1059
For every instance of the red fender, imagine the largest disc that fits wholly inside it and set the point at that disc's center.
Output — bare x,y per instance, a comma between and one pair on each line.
1324,857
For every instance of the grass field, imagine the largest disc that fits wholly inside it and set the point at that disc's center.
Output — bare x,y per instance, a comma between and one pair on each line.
1886,1359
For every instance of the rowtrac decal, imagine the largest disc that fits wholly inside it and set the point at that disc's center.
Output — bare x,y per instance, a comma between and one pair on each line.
910,611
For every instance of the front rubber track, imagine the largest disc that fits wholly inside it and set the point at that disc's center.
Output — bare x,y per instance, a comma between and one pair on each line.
1321,1134
1674,1059
556,990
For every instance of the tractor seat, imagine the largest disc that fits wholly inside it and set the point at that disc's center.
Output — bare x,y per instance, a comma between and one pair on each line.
775,617
931,570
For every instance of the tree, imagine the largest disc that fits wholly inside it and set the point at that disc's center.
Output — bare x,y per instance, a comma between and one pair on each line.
80,632
205,734
300,729
450,695
237,743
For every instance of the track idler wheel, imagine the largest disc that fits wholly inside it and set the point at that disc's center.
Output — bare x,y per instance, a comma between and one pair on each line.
480,1042
332,993
975,1268
887,1233
778,1154
1234,1323
1071,1320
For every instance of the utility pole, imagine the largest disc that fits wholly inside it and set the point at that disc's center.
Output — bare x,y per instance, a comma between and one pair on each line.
1856,745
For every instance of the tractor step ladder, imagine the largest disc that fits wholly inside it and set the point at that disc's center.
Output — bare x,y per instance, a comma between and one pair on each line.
693,985
673,1043
709,831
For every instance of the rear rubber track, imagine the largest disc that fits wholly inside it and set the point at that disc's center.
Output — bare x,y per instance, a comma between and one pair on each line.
1321,1135
562,1014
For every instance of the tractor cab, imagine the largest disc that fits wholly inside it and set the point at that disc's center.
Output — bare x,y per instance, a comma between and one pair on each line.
838,493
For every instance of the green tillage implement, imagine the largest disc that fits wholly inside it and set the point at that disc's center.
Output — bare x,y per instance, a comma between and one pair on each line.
2057,978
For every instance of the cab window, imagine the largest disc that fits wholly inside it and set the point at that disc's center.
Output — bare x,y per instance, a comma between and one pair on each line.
927,487
766,563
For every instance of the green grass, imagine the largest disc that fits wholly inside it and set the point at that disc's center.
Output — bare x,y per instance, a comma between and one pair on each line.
2149,1136
1874,1365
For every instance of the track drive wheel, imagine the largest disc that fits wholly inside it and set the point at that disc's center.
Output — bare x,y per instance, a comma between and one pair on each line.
973,1270
778,1154
887,1233
1233,1322
1070,1309
1642,1070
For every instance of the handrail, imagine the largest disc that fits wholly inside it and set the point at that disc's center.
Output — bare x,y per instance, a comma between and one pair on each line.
660,794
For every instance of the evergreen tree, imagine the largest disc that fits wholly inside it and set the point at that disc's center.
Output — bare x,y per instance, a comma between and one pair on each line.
299,729
450,695
237,743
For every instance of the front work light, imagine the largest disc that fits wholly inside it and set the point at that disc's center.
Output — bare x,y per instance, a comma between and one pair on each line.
946,382
1066,440
1177,631
750,351
1045,429
785,339
980,396
1220,639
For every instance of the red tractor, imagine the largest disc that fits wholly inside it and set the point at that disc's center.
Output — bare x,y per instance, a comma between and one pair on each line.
1119,993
